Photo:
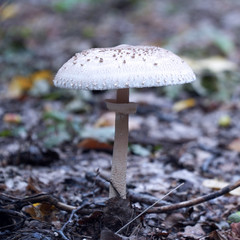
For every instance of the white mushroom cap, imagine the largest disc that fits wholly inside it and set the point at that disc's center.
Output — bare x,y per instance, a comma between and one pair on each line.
123,66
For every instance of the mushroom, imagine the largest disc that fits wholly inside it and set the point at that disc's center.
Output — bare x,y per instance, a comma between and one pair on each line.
122,67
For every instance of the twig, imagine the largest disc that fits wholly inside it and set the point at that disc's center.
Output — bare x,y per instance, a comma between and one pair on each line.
162,209
196,201
148,208
61,231
16,203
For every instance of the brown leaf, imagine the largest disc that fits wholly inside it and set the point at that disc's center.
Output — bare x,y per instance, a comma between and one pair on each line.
236,229
42,212
93,144
42,75
106,120
12,118
33,186
235,145
19,85
193,232
184,104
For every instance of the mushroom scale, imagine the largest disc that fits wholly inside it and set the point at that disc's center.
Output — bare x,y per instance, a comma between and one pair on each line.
123,66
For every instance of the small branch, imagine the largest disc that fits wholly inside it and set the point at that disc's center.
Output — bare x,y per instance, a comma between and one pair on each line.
162,209
148,208
61,231
195,201
16,203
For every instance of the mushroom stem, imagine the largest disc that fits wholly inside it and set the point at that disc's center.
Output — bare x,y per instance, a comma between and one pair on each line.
120,149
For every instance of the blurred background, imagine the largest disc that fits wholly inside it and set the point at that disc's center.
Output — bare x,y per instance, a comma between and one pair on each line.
42,35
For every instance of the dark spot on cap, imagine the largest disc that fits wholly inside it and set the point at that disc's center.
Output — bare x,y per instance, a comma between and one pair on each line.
88,60
100,60
124,61
155,64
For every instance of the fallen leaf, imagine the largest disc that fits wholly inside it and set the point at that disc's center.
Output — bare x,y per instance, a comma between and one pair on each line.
213,64
140,150
19,85
235,145
12,118
6,133
33,186
217,184
8,11
234,217
236,228
106,120
42,75
102,134
173,219
42,212
77,105
57,138
193,232
224,121
40,88
184,104
93,144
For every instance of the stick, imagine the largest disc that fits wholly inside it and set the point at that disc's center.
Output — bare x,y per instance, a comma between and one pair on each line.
196,201
148,208
16,203
70,219
162,209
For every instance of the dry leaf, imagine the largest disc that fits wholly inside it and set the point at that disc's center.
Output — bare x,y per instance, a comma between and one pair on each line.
184,104
106,120
224,121
213,64
42,75
236,228
42,211
18,86
235,145
8,11
21,84
93,144
12,118
217,184
193,232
